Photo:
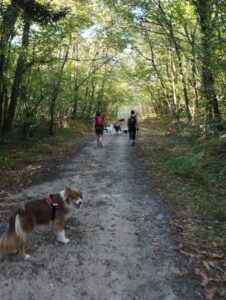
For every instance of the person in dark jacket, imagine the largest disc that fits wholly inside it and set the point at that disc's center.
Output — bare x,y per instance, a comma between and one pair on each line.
132,126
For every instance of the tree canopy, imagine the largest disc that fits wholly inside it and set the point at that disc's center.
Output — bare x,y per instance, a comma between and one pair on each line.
64,61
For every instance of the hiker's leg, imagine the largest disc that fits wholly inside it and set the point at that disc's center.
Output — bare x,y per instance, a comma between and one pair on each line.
97,136
134,134
101,131
98,139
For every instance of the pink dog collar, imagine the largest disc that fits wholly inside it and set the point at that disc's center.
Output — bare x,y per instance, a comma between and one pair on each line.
49,200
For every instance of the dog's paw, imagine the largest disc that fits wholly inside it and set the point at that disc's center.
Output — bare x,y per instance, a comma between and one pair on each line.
27,256
63,240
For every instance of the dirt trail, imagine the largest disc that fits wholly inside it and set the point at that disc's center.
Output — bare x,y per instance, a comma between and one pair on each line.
121,244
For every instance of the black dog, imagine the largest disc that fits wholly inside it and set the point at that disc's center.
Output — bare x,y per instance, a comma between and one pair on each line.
117,128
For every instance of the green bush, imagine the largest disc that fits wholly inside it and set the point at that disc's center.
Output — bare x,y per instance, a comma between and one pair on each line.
57,139
220,215
44,149
191,131
6,162
185,165
214,147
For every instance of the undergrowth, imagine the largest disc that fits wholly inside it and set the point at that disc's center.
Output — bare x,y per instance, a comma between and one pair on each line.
192,168
17,153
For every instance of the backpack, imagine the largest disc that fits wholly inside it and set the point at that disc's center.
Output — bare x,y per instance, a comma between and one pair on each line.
99,121
132,121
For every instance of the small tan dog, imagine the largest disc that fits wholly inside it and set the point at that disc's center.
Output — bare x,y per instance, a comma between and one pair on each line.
53,210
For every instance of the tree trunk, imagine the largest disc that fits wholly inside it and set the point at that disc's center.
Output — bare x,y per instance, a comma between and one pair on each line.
165,90
173,41
76,85
185,92
7,32
204,10
91,98
56,89
75,102
194,76
152,97
7,125
173,76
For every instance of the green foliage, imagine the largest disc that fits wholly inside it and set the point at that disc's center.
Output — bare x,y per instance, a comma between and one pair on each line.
57,139
120,54
44,149
220,215
205,162
193,181
41,13
191,131
185,165
212,146
16,153
6,163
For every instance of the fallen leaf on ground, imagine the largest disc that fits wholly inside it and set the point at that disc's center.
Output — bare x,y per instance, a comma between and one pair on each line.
206,265
189,254
177,271
210,294
201,273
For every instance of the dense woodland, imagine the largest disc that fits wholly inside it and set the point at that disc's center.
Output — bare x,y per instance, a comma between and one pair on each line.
62,60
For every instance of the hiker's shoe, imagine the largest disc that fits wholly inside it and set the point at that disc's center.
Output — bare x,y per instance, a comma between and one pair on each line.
101,145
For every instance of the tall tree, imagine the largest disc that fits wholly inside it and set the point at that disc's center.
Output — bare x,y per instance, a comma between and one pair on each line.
205,9
10,14
8,122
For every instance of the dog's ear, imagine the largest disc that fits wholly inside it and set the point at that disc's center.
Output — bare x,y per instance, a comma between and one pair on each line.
79,194
67,190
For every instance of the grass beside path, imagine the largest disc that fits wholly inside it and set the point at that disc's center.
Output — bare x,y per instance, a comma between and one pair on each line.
188,169
22,159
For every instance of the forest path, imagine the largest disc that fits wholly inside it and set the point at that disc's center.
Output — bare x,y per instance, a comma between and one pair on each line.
121,241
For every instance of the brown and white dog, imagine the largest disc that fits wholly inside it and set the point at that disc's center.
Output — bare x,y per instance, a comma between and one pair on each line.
53,210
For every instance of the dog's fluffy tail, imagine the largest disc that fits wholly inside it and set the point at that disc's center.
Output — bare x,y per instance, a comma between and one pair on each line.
10,241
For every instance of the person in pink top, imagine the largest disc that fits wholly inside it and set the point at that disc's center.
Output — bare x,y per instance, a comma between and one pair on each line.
98,127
